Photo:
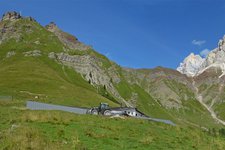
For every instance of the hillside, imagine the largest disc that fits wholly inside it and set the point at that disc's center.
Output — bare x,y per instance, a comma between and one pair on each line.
55,130
26,71
208,78
46,64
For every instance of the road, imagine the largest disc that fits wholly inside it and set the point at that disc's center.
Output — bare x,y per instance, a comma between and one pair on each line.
43,106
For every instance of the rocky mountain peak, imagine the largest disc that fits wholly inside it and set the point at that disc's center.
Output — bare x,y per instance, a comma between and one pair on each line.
11,16
221,44
195,65
52,27
191,65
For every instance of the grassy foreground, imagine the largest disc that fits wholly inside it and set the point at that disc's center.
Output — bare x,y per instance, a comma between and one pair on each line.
25,129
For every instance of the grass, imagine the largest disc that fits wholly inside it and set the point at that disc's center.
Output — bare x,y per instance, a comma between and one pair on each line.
25,129
191,114
48,81
219,109
27,77
26,40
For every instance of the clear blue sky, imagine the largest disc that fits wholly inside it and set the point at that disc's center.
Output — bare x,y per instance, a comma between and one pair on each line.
134,33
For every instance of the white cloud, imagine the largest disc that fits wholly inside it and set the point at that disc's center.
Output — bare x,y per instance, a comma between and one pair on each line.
198,42
204,52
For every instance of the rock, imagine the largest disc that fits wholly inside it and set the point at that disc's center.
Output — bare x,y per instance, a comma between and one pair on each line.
11,16
191,65
52,55
11,53
194,65
88,67
34,53
52,27
37,42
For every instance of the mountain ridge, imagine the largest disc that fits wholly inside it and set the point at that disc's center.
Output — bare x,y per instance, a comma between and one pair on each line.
47,61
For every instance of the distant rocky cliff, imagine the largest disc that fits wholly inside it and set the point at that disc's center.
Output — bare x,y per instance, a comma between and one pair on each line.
194,65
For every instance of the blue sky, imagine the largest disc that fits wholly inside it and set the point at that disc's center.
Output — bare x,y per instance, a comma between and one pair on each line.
134,33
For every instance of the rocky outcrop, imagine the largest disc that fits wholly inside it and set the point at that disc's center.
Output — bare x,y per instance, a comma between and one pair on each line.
191,65
34,53
69,40
194,65
13,26
11,16
89,67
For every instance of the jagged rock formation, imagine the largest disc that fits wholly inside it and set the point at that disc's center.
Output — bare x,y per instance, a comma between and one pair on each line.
10,29
194,65
87,66
191,65
11,16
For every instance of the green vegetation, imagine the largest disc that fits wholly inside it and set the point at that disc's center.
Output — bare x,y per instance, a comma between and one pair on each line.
26,34
27,77
60,130
192,114
47,80
219,109
40,77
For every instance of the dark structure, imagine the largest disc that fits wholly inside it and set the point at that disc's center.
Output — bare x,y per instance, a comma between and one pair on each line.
104,109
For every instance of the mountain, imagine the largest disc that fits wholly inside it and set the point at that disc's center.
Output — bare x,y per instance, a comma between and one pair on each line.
191,65
208,78
195,65
47,64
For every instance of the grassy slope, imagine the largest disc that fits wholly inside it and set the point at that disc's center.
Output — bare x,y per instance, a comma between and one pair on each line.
27,77
22,76
211,92
193,113
59,130
145,102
